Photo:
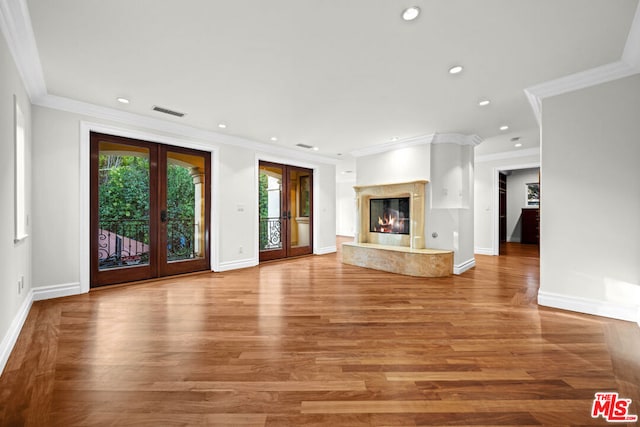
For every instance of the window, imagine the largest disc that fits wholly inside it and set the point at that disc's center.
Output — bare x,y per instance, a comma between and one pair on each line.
21,218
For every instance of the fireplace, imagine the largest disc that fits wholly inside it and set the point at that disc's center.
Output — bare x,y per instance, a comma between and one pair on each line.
390,231
380,205
389,215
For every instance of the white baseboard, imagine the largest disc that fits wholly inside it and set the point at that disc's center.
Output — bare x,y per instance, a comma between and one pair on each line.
56,291
484,251
461,268
346,234
235,265
325,250
9,340
630,313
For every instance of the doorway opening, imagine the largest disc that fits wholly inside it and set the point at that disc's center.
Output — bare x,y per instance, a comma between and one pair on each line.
517,213
149,210
285,206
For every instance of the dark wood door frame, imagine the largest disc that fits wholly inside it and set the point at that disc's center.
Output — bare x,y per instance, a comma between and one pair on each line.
158,265
502,207
285,215
166,268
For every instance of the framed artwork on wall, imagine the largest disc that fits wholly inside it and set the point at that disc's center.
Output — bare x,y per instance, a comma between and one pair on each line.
533,194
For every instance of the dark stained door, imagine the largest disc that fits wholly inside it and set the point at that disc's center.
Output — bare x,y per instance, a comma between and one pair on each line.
150,207
285,205
502,189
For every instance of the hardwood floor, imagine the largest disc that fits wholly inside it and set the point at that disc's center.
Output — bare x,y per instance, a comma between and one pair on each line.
311,341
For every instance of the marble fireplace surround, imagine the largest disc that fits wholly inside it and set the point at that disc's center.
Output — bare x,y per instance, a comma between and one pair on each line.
415,190
397,253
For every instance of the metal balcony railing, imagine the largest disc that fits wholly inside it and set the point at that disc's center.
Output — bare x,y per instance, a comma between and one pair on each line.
270,234
126,242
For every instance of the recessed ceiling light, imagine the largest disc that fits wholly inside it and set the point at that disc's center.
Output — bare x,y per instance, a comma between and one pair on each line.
273,138
455,69
122,100
518,145
222,125
315,148
504,127
411,13
484,102
394,139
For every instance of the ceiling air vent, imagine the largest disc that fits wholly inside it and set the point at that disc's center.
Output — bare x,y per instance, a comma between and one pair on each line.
304,146
167,111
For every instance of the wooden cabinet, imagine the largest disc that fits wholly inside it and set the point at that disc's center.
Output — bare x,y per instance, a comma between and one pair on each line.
530,226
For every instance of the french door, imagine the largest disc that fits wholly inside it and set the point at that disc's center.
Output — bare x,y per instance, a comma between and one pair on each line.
285,210
149,210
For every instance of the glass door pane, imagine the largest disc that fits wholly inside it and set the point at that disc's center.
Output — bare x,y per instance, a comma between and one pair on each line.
184,199
185,213
272,227
300,207
123,206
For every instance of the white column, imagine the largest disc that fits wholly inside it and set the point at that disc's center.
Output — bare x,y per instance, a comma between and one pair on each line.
198,180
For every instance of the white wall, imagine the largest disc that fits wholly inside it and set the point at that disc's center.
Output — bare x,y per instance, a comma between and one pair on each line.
450,202
485,191
57,198
590,207
345,209
237,199
56,202
15,258
400,165
324,208
517,181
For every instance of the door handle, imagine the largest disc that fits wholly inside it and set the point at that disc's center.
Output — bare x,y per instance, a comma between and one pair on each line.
163,216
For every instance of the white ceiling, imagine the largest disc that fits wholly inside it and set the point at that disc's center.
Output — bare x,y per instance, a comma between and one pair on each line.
340,75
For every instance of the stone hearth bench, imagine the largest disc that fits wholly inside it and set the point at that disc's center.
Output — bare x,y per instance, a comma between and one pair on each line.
399,259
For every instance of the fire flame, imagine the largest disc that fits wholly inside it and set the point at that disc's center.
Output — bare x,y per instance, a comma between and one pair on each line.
389,224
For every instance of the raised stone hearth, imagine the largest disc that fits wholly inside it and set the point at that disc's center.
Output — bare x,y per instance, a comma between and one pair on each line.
397,253
399,259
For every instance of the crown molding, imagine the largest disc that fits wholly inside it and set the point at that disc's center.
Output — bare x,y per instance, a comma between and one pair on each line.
15,24
584,79
434,138
508,155
456,138
393,145
631,53
627,66
176,129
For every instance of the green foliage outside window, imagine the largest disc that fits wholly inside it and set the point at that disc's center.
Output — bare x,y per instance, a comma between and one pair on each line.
124,196
263,208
